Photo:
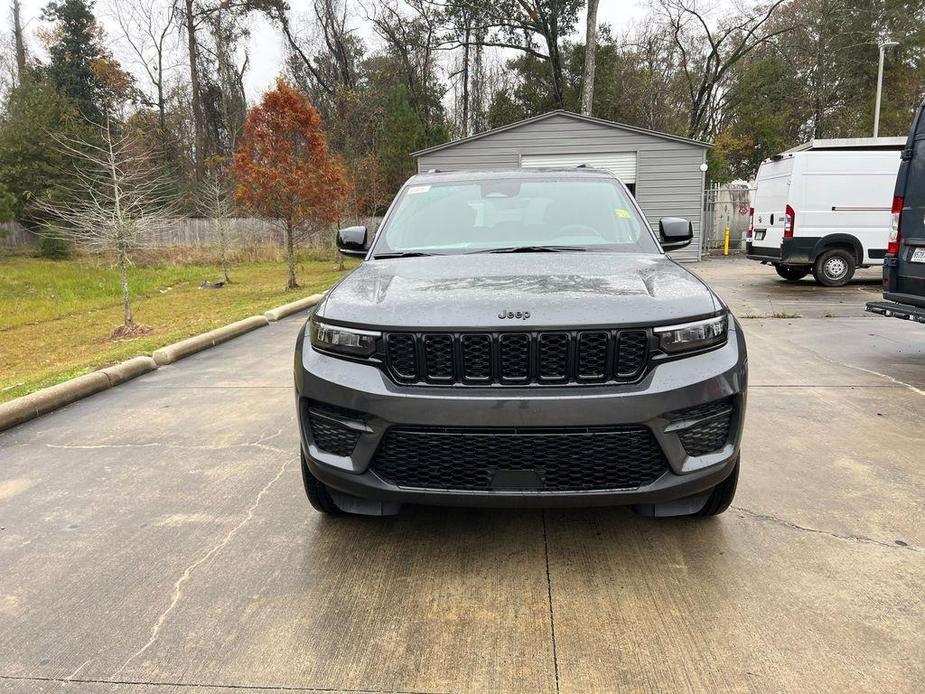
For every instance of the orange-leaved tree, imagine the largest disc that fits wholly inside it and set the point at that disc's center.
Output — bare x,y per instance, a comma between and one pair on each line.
284,170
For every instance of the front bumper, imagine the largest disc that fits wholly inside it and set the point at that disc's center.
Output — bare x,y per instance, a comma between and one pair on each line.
668,387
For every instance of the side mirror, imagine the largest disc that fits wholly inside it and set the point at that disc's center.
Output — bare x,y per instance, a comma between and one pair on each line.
352,241
675,233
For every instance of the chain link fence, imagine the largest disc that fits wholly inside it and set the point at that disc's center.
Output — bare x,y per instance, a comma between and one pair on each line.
726,206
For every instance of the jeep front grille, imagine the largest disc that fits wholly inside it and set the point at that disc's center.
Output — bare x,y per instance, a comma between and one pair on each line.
569,459
518,358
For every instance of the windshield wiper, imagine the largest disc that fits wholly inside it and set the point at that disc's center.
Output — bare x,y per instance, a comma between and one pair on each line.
403,254
532,249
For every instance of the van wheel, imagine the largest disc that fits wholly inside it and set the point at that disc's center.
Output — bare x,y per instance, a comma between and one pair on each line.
722,495
316,491
834,268
790,273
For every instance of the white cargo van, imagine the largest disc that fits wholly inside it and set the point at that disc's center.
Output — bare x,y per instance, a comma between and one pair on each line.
824,207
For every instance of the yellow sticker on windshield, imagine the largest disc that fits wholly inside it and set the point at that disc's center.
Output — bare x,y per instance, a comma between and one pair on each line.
623,213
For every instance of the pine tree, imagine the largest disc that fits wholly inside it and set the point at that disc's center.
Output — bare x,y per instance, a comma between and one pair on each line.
74,54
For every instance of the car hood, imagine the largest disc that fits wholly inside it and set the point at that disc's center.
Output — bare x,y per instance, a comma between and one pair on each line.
558,290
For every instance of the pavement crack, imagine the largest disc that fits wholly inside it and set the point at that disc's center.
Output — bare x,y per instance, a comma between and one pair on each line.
187,573
862,539
833,362
896,381
552,618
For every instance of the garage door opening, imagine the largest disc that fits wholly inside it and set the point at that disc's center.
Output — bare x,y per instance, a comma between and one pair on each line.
620,164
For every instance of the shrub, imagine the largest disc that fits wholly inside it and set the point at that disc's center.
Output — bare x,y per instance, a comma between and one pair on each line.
52,245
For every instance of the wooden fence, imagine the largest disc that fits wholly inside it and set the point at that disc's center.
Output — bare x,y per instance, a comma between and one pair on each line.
14,235
240,233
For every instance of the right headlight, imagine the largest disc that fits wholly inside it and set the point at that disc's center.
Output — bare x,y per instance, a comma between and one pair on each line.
692,337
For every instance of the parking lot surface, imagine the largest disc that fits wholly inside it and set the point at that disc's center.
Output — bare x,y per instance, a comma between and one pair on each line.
156,538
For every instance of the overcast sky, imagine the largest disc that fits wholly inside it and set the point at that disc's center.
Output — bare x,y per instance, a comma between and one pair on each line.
266,46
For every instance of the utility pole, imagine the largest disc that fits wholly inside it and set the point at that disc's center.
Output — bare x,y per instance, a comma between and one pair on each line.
883,45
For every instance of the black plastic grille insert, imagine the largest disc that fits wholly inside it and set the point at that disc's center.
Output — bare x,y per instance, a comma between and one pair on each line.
710,425
518,358
329,432
578,459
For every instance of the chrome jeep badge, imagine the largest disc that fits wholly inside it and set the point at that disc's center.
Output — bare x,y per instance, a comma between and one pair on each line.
518,315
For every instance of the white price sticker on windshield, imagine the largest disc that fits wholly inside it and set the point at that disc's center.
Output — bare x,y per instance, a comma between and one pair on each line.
414,190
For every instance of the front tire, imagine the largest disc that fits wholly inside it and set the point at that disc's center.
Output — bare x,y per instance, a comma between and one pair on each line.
722,495
790,273
316,491
834,268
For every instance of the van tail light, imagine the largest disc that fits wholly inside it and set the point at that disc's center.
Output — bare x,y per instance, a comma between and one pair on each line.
790,222
896,237
751,223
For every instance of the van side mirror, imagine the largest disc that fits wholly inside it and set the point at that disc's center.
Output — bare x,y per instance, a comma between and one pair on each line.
351,241
675,233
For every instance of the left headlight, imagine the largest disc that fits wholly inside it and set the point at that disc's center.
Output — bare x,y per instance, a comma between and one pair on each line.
691,337
349,341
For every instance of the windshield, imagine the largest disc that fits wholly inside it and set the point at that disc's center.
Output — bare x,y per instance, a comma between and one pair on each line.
504,213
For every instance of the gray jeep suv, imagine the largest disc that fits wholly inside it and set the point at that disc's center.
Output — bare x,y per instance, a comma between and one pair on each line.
519,338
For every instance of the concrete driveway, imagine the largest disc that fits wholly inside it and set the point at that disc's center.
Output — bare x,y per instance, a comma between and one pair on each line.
155,538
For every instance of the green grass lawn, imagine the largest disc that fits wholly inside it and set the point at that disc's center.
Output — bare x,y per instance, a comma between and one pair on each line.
56,316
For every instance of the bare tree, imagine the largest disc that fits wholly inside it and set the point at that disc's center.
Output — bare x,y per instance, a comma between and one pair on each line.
411,33
19,40
587,83
659,99
216,201
478,91
332,20
533,27
710,49
116,204
190,24
230,68
147,28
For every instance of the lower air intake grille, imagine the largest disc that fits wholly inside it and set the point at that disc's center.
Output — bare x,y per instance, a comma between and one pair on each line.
706,437
558,460
710,426
329,433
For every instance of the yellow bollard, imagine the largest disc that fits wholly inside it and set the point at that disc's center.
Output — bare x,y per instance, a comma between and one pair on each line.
726,242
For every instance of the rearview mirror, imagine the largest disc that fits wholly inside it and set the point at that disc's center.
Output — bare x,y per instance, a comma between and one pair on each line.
675,233
352,241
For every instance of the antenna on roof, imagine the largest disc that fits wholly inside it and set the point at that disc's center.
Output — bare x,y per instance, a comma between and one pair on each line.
433,171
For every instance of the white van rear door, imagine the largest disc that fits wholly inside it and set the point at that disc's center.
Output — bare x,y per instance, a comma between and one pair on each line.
772,189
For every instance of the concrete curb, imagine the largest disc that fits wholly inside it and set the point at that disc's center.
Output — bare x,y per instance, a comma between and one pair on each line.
48,399
30,406
127,370
274,314
197,343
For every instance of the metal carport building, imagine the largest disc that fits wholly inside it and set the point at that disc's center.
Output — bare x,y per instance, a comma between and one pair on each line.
663,171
